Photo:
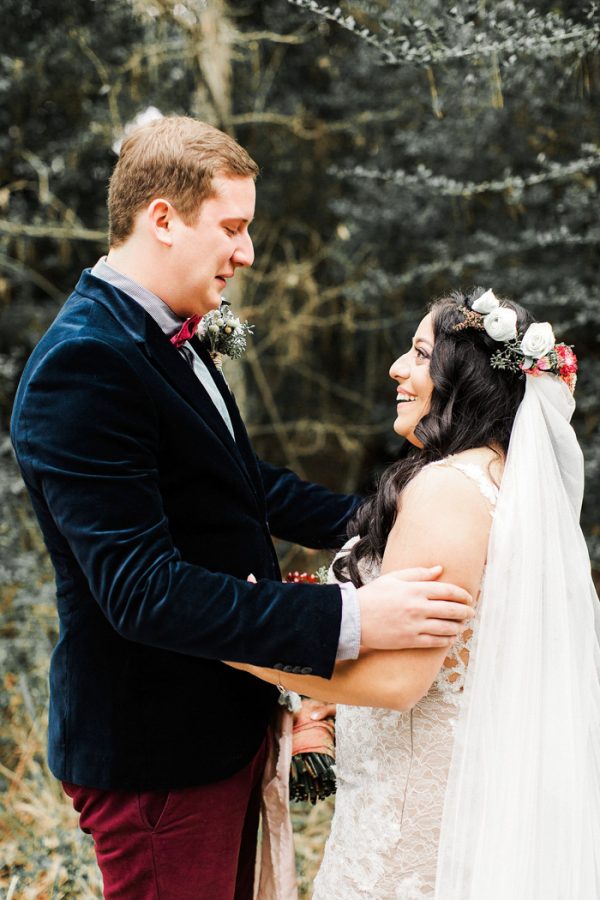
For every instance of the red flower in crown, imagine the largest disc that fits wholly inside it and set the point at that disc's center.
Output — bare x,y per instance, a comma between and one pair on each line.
567,362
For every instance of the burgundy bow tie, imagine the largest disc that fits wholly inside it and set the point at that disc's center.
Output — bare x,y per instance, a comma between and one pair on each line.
187,331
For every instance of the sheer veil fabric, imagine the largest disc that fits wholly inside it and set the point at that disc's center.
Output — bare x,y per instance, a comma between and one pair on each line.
522,807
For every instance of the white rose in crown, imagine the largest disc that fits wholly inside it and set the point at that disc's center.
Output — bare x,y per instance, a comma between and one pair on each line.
501,323
538,340
487,303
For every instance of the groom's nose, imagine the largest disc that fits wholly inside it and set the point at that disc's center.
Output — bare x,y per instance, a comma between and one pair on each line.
243,255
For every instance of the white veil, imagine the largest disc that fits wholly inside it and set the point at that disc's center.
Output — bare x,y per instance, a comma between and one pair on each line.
521,818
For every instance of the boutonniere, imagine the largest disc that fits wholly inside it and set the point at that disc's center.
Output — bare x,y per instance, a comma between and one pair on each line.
225,334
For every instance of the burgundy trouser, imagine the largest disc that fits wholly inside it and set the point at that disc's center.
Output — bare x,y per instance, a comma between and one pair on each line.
192,844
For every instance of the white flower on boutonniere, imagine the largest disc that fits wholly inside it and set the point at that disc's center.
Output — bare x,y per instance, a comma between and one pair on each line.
487,303
501,324
538,340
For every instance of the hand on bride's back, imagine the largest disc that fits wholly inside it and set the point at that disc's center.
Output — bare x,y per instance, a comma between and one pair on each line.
410,608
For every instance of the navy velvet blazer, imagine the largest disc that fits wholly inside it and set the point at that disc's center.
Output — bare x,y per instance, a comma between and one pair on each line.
154,517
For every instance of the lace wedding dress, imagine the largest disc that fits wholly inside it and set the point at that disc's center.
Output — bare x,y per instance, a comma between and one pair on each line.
392,769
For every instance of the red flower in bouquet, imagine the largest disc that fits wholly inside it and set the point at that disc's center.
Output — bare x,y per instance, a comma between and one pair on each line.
301,578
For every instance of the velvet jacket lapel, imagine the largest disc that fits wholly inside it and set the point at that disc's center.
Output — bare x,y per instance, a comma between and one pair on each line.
145,333
241,435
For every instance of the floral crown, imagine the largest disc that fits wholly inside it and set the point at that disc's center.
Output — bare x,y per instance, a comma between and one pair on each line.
532,353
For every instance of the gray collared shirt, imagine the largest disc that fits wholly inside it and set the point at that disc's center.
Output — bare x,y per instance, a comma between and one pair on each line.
169,323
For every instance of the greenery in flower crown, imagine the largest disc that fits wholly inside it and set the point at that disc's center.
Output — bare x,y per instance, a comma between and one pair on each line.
560,360
509,358
225,333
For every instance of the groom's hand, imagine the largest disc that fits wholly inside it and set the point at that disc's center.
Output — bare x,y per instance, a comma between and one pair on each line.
409,609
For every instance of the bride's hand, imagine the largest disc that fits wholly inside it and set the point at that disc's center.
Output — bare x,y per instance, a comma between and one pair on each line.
320,710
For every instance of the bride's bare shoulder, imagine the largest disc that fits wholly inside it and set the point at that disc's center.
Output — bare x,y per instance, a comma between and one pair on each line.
442,519
460,487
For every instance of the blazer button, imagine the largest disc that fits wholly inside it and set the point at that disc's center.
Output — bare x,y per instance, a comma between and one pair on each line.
306,670
278,666
288,668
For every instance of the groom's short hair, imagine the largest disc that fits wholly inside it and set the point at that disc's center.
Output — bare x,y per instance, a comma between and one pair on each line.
177,158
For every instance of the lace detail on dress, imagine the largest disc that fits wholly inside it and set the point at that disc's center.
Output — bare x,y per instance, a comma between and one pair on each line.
450,680
476,474
392,769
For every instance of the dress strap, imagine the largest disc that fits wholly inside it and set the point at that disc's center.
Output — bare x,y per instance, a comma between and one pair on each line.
476,474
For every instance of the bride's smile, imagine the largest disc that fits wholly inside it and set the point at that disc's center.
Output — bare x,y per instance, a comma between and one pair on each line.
413,394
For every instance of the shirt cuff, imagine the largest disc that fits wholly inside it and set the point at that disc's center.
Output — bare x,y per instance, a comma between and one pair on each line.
349,641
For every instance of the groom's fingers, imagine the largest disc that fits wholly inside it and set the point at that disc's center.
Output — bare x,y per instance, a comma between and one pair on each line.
443,627
434,590
444,609
418,573
397,613
427,641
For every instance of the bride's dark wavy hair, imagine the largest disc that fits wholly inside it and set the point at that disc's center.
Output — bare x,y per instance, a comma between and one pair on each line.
472,405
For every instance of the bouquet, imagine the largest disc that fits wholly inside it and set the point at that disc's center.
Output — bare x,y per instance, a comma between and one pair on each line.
312,772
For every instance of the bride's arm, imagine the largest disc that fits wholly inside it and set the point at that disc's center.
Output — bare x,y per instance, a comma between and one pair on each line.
443,519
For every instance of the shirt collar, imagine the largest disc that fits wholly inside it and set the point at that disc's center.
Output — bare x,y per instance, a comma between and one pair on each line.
162,314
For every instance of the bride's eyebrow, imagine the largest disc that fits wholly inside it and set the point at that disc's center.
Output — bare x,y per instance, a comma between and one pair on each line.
421,340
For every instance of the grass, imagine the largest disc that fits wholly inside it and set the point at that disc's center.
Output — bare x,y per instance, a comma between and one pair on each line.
43,854
311,827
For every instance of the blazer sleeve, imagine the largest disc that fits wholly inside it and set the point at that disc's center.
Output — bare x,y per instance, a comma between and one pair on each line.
305,513
86,434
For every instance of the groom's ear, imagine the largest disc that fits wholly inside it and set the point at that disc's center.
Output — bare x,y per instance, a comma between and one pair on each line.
159,218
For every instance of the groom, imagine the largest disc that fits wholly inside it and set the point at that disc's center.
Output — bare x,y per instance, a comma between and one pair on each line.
155,509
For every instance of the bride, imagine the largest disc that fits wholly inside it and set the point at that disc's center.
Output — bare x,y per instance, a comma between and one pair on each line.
474,773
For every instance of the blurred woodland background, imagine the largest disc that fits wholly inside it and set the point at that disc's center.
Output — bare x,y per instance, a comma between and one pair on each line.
406,149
